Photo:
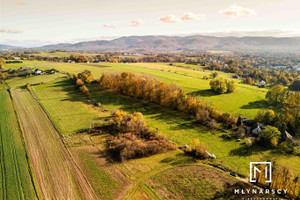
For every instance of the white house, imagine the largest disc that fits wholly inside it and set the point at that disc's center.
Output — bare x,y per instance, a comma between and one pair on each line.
37,72
262,83
256,130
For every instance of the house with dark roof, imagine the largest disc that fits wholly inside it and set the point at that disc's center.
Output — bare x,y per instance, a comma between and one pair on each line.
257,128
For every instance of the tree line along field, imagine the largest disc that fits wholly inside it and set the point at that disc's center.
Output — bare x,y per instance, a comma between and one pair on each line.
140,178
16,180
246,100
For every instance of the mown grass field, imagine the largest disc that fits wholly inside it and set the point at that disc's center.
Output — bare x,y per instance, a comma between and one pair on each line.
16,181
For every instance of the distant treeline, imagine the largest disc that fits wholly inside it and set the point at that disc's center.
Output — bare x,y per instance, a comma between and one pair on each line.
252,75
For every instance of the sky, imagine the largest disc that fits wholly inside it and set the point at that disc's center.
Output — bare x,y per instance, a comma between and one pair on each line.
39,22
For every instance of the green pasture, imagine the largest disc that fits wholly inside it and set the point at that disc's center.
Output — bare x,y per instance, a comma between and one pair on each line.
15,178
246,100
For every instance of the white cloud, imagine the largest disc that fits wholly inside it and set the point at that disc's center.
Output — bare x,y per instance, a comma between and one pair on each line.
137,22
169,19
234,11
3,30
110,26
192,17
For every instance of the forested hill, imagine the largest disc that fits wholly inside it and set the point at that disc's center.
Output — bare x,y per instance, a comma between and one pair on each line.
174,43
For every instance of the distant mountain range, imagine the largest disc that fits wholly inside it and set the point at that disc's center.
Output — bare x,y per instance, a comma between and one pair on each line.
174,43
4,46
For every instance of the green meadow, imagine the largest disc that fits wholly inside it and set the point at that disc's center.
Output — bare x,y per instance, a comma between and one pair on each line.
72,113
246,100
16,181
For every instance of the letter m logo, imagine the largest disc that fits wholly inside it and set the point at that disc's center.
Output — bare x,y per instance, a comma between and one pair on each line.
256,168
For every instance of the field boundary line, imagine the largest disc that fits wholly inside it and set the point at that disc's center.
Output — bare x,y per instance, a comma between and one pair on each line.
64,144
25,147
3,167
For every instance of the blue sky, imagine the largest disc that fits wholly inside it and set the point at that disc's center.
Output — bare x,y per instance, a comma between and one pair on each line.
37,22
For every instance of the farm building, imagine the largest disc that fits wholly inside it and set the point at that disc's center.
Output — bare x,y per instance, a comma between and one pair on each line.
52,71
257,128
37,72
262,83
289,138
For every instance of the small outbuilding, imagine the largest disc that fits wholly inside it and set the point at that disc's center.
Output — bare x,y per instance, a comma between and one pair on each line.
262,83
38,72
257,128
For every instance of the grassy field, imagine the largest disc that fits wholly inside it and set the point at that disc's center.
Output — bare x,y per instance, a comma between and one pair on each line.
56,174
246,100
71,112
63,104
199,182
16,181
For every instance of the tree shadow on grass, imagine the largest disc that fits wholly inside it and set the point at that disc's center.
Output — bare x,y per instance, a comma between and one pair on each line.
246,150
109,99
203,93
256,104
260,104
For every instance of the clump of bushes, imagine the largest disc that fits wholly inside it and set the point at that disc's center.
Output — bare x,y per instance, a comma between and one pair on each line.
221,86
133,139
197,150
85,77
269,137
84,90
81,80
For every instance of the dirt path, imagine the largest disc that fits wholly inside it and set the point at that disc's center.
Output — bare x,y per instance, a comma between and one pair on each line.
56,173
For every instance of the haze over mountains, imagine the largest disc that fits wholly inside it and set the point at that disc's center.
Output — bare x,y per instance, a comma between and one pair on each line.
173,43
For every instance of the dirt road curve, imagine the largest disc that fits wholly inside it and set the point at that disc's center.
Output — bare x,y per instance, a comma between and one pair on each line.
56,174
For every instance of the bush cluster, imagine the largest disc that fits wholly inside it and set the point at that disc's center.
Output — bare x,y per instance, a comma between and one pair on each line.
197,150
133,139
221,86
81,80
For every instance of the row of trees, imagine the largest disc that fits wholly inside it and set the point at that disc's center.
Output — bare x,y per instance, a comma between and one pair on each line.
133,139
221,86
170,96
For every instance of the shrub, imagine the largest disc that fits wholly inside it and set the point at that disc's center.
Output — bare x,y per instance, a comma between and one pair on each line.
269,137
199,151
266,117
220,86
132,138
84,90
